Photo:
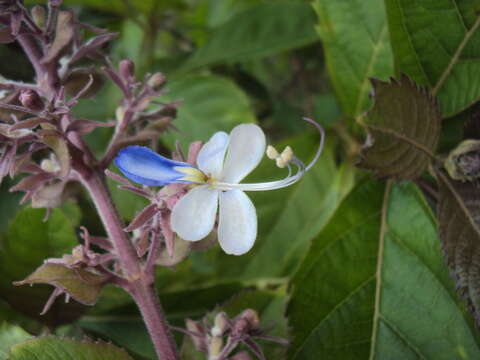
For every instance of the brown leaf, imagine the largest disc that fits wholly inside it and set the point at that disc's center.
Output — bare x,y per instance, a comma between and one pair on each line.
403,128
458,220
63,36
82,285
91,46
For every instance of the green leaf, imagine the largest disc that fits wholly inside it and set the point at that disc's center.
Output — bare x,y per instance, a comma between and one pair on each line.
436,43
356,43
374,285
268,28
209,104
403,129
10,335
52,348
458,209
28,242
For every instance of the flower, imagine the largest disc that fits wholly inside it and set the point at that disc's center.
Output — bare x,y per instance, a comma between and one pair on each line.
222,163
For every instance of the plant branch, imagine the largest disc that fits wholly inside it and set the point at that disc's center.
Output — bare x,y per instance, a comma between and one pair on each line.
140,285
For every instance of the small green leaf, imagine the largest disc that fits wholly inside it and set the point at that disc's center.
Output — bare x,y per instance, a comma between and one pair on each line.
10,335
458,211
265,29
82,285
374,285
436,43
403,129
53,348
355,37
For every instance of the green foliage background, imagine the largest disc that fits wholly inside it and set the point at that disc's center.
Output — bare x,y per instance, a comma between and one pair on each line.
346,266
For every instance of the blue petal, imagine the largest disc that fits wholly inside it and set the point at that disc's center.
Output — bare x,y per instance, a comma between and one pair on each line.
144,166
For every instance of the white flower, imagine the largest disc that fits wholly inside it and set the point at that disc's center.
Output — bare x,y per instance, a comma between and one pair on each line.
223,162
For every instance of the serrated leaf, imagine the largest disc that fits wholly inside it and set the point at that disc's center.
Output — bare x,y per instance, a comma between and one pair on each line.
403,128
84,286
458,214
264,29
355,37
10,335
374,285
53,348
436,43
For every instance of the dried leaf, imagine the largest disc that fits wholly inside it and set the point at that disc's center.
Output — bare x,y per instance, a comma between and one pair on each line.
458,220
63,35
403,129
82,285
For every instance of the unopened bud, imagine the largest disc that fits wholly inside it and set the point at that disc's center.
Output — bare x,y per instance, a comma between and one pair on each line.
157,81
251,316
39,16
127,69
220,324
31,100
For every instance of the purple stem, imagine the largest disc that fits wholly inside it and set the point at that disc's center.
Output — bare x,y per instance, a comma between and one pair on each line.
141,288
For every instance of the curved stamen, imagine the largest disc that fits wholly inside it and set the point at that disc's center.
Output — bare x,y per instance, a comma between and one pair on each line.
287,181
270,185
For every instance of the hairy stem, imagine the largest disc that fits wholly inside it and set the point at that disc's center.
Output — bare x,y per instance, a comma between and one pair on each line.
140,284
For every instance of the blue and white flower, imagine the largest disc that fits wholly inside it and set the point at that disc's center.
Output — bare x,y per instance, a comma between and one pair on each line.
222,163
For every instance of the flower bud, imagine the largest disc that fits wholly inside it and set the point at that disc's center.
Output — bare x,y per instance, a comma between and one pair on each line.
39,16
31,100
127,69
220,324
157,81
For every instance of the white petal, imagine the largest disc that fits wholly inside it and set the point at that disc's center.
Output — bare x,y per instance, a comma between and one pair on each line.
212,154
237,223
193,216
246,149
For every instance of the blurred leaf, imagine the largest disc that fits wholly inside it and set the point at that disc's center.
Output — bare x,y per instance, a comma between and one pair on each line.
458,211
209,104
403,129
265,29
53,348
124,325
10,335
437,44
374,285
357,47
8,205
27,244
